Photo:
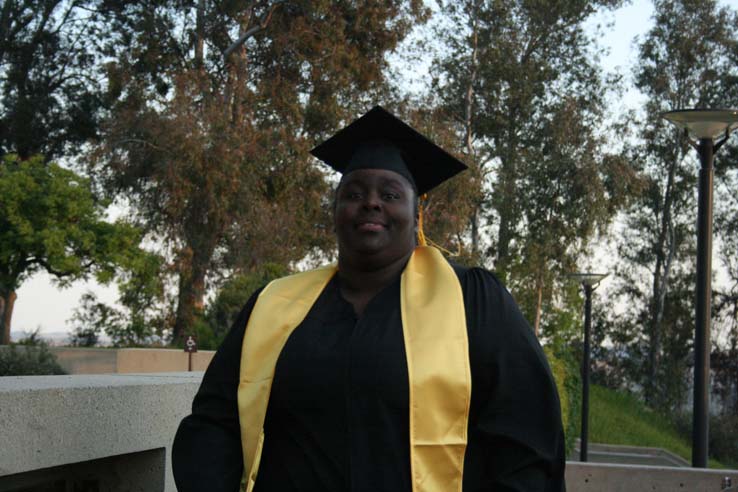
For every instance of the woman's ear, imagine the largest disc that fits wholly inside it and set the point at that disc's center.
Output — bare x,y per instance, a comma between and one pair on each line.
334,205
417,214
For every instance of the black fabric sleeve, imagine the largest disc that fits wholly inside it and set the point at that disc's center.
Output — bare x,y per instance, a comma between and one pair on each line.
206,454
519,440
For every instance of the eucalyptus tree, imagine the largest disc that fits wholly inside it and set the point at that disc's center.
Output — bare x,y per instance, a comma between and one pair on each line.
724,360
522,82
687,60
50,86
216,104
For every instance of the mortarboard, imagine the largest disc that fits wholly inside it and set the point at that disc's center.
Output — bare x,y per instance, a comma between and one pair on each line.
380,140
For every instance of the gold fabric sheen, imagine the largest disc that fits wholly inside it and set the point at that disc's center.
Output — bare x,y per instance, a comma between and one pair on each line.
437,349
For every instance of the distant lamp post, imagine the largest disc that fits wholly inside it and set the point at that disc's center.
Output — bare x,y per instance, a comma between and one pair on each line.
702,127
589,281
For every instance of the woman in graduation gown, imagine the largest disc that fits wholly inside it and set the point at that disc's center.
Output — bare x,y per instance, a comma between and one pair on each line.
394,371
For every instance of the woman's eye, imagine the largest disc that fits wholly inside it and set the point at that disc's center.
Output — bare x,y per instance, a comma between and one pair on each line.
391,196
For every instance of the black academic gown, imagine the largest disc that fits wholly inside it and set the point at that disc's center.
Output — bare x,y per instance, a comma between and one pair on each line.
337,418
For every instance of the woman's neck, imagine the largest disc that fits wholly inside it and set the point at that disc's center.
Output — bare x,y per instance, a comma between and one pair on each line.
360,282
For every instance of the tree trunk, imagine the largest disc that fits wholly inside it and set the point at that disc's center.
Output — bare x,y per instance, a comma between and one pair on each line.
200,32
474,222
191,295
237,65
7,301
468,124
507,214
539,303
507,203
662,270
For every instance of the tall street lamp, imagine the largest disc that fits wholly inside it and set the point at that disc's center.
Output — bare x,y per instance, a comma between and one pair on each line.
589,281
702,127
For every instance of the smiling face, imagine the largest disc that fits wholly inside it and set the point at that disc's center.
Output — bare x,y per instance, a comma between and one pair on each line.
375,217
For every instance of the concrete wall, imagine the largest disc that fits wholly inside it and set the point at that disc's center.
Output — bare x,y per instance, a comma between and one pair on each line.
47,422
118,429
598,477
128,360
86,360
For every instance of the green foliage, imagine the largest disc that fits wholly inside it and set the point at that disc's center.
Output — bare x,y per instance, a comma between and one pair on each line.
618,357
447,208
562,331
724,368
531,100
656,275
621,418
92,318
213,151
723,439
86,333
205,334
29,357
139,321
725,299
568,383
563,327
50,95
50,221
625,357
32,339
220,314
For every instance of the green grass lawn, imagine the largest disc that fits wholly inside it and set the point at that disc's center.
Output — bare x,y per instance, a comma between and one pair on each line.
619,418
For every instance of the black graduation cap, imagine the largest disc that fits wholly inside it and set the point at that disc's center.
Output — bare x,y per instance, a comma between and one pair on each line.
380,140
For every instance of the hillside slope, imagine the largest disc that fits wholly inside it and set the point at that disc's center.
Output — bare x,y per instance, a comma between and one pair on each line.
619,418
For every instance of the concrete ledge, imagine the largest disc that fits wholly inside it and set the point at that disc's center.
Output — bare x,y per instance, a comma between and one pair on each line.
50,421
600,477
121,427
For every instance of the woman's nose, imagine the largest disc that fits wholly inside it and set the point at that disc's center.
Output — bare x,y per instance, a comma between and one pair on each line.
373,200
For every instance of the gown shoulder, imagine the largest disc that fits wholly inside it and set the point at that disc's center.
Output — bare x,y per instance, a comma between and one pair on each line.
213,423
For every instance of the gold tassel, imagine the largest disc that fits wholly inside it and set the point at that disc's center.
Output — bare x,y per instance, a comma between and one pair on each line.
424,241
421,234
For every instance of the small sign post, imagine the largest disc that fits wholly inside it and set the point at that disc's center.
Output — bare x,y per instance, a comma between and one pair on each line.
190,347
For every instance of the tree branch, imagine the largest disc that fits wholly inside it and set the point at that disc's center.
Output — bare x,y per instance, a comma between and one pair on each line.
49,268
142,142
260,26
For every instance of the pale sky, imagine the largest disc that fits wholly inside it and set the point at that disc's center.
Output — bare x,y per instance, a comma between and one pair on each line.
41,305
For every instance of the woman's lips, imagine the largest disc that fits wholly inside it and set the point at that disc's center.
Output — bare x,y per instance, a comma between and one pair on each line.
370,226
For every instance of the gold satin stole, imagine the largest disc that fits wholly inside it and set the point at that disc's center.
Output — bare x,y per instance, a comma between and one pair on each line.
437,349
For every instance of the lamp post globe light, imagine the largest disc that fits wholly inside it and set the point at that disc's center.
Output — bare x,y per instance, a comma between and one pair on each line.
703,127
589,282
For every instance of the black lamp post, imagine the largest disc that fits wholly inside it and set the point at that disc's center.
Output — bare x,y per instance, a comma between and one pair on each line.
589,281
703,126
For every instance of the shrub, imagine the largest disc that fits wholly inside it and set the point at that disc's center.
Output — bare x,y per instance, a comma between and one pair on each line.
722,437
126,327
568,381
28,360
220,314
723,440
